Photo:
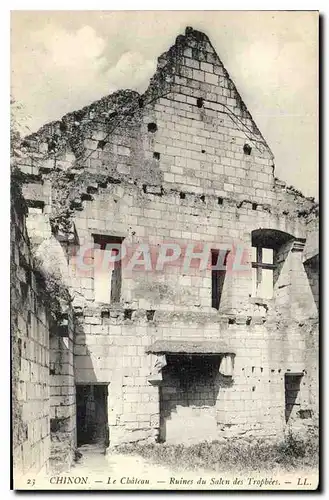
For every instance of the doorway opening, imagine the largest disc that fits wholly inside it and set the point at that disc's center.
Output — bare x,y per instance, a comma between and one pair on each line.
292,383
92,420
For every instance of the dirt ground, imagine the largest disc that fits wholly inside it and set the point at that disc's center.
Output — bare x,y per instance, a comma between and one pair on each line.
114,471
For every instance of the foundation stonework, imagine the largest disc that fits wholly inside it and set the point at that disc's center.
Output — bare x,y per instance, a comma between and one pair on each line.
183,164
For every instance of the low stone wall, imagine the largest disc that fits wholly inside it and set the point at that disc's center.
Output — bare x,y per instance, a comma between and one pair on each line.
62,395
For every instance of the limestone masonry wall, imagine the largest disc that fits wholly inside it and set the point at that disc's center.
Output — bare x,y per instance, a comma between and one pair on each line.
33,333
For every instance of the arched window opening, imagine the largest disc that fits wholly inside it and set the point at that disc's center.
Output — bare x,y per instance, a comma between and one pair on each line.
270,247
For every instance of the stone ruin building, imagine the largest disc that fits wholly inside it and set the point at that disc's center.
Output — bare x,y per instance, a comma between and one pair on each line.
177,355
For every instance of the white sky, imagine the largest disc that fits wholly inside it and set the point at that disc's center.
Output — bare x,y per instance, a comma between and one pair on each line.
63,60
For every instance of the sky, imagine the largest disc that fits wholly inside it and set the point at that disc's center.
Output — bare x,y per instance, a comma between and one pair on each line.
64,60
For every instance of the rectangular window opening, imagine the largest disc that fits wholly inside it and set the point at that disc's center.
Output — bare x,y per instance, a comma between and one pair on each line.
262,272
292,395
107,268
217,277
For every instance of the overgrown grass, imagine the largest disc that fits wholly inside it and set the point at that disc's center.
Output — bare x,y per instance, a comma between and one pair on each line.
292,453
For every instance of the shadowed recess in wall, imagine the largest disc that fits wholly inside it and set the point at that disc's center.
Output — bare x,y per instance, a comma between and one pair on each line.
189,395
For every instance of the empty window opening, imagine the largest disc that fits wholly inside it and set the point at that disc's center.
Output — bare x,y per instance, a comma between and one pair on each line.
182,196
254,206
152,127
217,277
247,149
220,201
262,272
91,415
292,395
156,155
107,268
199,102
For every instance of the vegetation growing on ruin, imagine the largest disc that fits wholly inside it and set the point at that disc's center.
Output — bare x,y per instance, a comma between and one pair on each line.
292,453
